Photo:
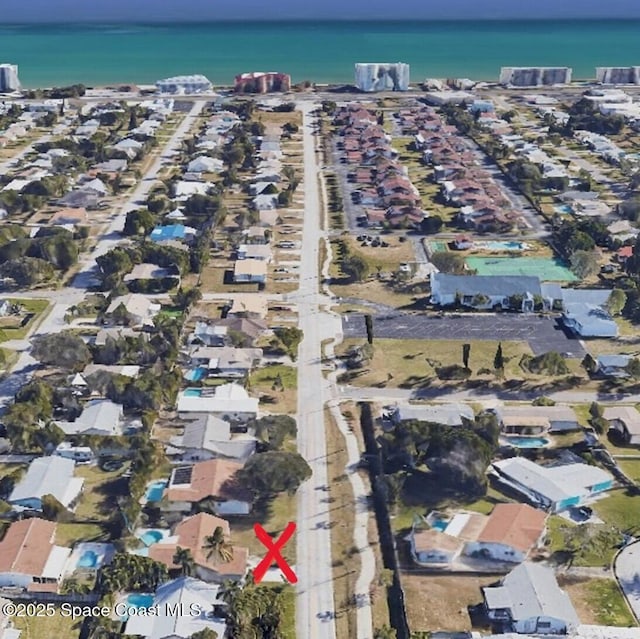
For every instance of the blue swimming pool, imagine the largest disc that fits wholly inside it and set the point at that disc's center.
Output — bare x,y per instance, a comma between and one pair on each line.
439,524
527,442
196,374
156,490
138,600
563,209
192,392
89,559
151,537
504,246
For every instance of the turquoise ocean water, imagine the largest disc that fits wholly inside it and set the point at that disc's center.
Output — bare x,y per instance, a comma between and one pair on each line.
320,51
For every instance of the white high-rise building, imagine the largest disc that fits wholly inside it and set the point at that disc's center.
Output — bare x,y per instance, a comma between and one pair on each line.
182,84
9,81
373,76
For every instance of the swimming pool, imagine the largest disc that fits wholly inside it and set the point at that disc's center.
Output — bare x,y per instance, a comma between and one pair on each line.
195,375
563,209
156,490
439,524
151,537
140,600
503,246
89,559
192,392
527,442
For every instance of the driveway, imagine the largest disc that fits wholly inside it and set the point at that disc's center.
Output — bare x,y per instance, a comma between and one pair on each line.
543,334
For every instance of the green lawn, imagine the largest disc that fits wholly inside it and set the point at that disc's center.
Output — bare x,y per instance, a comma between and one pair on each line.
611,608
282,399
620,510
69,534
99,491
34,627
631,468
36,308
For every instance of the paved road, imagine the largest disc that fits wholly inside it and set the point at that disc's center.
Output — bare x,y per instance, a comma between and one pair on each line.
542,333
112,237
627,572
315,585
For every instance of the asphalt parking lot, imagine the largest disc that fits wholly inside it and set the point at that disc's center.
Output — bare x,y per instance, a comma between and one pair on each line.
543,334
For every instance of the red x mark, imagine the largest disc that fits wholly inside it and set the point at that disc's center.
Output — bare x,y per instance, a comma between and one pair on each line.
274,553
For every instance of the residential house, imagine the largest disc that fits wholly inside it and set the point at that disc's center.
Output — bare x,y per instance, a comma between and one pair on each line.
47,476
173,232
248,305
111,166
448,414
624,420
192,533
612,366
96,186
206,436
230,401
214,480
69,217
255,235
79,199
205,164
138,309
557,418
585,312
265,202
529,600
226,361
129,147
208,334
29,557
219,332
509,534
186,606
99,417
152,272
260,252
126,370
114,332
250,271
486,291
554,488
183,190
430,547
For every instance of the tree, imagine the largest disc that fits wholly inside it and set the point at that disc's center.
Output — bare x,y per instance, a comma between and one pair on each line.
290,336
466,350
595,410
64,350
354,267
184,559
368,322
138,222
384,633
217,547
498,360
274,472
273,430
584,264
633,367
616,302
589,364
205,633
448,262
431,225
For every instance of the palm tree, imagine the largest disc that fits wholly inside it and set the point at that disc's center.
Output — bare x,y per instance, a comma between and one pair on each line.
184,559
217,547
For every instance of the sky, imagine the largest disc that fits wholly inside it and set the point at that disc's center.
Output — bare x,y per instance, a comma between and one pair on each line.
18,11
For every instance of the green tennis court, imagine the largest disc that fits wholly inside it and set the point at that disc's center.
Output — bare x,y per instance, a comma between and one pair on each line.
546,268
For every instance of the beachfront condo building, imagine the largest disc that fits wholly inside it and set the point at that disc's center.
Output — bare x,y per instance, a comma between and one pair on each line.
9,81
260,82
374,76
184,84
618,75
534,76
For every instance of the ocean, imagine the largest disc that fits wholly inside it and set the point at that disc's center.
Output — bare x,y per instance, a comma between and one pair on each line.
100,54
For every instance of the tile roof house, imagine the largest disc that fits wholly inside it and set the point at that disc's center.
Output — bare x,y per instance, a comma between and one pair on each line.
186,606
214,480
71,217
554,488
510,532
191,533
47,476
206,436
625,420
29,557
530,601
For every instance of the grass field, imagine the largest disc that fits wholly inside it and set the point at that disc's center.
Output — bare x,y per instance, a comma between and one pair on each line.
398,363
264,381
597,601
69,534
377,258
620,510
56,626
36,308
212,280
99,491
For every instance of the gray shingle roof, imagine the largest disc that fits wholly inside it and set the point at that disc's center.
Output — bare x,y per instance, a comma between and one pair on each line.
487,284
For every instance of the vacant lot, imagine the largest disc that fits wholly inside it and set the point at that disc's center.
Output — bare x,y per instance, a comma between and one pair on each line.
57,626
277,386
597,601
440,603
619,509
